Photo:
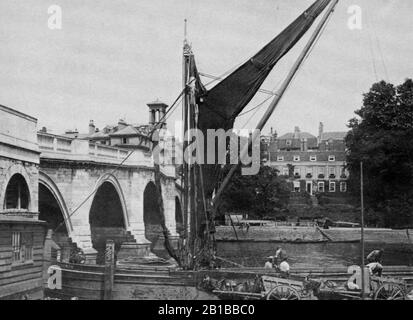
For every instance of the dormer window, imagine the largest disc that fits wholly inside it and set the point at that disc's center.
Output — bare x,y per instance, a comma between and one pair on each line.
313,158
280,158
296,158
331,158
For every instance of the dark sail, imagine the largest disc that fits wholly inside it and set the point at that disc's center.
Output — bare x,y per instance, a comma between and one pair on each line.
219,106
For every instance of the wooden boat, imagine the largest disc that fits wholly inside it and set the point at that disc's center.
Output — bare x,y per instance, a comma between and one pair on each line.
169,283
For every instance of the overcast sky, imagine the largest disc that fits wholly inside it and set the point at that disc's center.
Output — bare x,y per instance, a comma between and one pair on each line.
112,57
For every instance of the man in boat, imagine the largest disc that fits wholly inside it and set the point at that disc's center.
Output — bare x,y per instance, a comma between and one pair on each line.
375,256
374,262
280,255
269,264
285,267
375,268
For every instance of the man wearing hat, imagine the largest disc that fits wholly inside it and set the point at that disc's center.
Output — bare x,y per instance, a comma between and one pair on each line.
268,264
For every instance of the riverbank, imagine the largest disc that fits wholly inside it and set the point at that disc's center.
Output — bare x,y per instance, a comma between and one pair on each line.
270,234
312,234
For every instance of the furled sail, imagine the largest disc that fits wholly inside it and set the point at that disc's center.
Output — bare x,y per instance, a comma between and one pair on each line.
219,106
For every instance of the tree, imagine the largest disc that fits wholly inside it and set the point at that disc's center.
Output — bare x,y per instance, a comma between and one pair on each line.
260,195
382,137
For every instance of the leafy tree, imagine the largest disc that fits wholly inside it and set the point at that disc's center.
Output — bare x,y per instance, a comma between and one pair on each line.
382,137
260,195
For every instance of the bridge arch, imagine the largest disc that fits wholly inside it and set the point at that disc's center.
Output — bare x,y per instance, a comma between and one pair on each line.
108,218
17,175
47,187
110,178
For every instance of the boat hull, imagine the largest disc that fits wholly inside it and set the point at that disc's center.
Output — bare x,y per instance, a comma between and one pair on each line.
87,282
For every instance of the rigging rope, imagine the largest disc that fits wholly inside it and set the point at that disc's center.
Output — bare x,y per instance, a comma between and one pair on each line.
107,175
382,58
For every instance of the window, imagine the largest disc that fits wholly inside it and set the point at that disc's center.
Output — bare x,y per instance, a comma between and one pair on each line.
297,186
331,158
343,186
332,171
296,158
280,158
288,143
17,193
321,186
297,172
22,247
332,186
15,246
285,171
124,140
313,158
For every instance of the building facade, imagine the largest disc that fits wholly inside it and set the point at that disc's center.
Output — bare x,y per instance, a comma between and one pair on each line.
313,164
21,233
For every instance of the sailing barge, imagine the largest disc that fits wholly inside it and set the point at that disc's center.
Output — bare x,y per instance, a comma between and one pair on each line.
217,108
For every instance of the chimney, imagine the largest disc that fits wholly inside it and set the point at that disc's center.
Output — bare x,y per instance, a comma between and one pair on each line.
296,132
121,124
91,127
157,112
320,131
305,144
44,129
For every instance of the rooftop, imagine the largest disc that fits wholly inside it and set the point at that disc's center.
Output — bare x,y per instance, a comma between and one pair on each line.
297,135
333,135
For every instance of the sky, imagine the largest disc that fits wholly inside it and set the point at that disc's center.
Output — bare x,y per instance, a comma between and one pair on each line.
111,58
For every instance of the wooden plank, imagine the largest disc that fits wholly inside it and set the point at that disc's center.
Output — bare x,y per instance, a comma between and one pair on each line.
16,277
22,278
21,287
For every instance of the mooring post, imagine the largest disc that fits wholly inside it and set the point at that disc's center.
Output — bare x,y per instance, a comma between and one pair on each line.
109,269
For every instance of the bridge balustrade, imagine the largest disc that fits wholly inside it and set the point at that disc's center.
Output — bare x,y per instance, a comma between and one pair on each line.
65,148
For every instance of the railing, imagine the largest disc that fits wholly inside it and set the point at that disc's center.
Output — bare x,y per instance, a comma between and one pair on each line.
59,147
54,143
98,150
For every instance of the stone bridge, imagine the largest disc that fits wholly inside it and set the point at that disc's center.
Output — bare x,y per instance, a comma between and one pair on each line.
89,192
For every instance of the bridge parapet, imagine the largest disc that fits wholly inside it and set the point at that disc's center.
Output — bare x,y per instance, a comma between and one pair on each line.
64,148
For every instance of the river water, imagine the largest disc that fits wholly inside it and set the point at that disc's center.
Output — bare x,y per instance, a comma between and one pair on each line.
253,254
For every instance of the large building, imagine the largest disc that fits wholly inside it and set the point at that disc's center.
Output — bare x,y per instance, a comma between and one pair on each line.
311,163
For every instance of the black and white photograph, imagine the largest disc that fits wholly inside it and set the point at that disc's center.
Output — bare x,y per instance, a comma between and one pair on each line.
220,150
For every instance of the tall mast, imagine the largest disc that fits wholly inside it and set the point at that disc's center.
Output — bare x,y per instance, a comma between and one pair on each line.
362,231
188,180
276,100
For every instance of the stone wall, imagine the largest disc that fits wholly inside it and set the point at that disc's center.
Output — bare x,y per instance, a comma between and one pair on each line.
76,181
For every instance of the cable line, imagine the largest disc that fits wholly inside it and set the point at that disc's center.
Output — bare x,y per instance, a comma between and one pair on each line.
107,175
